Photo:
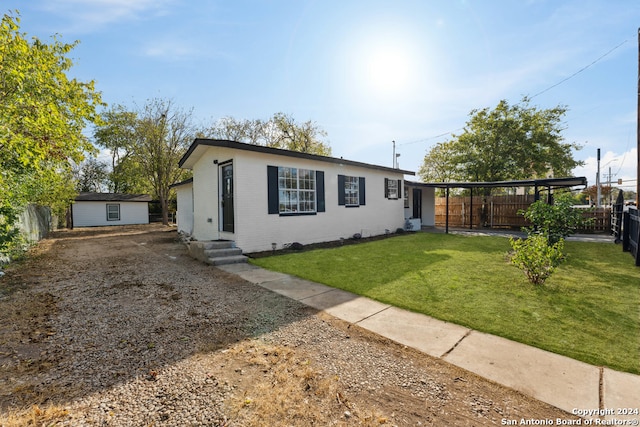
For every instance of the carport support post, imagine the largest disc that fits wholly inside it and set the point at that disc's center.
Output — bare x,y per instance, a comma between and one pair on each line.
471,210
446,215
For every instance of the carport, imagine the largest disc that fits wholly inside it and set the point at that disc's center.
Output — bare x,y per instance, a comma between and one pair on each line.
539,185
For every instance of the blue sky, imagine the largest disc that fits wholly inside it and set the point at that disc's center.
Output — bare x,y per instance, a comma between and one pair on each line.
367,72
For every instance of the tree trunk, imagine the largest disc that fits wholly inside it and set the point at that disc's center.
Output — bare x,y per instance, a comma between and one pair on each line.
164,204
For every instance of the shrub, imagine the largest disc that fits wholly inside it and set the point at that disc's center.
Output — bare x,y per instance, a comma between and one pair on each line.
537,257
554,221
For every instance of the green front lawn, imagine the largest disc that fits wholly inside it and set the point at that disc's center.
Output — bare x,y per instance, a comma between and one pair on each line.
588,310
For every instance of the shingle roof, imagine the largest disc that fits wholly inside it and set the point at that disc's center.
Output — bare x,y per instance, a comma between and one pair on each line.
200,142
112,197
185,182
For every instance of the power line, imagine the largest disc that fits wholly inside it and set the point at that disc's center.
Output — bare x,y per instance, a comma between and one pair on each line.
431,137
531,97
580,70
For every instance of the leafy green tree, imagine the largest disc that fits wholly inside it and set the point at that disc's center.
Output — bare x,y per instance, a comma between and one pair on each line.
146,146
606,192
163,133
42,115
508,142
240,130
629,195
117,134
280,131
91,175
441,164
303,137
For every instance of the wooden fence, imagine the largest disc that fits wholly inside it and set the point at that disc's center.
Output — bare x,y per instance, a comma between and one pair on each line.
502,212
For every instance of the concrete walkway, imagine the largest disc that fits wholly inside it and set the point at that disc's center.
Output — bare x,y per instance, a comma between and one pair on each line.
558,380
595,237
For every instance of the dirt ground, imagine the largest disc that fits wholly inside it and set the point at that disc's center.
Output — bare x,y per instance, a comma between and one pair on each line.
118,326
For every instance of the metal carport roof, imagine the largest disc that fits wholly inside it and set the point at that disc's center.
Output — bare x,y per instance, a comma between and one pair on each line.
548,183
543,182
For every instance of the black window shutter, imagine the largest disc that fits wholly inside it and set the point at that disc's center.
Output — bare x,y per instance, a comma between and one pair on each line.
272,191
386,188
399,189
361,190
320,191
341,195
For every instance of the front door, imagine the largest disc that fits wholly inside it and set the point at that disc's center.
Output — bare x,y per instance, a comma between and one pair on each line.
417,203
227,197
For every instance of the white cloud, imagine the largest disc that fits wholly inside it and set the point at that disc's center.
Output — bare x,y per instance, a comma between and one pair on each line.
623,166
169,49
89,16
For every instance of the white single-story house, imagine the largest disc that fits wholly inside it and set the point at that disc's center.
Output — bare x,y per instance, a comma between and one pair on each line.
265,198
98,209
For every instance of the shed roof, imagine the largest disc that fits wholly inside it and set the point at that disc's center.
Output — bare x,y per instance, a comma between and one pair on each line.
196,149
181,183
112,197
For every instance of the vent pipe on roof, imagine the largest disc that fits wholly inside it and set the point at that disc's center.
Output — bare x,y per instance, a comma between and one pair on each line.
395,157
393,161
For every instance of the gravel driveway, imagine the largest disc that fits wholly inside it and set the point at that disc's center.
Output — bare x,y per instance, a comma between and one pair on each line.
117,326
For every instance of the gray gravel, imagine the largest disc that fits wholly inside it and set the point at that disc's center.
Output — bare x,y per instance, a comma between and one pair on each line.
133,329
144,335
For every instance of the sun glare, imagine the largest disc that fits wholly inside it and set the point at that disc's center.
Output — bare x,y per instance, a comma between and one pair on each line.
384,66
388,70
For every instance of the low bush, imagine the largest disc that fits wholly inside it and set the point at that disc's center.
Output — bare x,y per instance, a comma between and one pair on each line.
537,257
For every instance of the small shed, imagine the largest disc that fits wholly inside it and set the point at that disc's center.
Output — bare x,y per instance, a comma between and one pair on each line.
100,209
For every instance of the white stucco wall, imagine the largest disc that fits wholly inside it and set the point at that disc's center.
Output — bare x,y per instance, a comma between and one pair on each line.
429,207
205,196
256,229
428,218
184,215
91,214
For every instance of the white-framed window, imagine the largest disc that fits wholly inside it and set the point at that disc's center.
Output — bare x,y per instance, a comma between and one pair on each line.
351,191
391,188
296,190
113,212
406,196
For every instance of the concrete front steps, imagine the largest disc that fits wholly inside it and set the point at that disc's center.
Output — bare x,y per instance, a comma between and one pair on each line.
218,252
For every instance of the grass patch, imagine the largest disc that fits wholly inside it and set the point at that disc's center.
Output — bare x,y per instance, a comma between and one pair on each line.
588,310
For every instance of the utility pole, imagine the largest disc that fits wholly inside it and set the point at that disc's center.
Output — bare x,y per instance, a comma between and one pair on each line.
609,185
598,191
638,130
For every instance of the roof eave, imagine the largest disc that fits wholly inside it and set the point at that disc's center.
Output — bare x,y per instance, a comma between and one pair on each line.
188,161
